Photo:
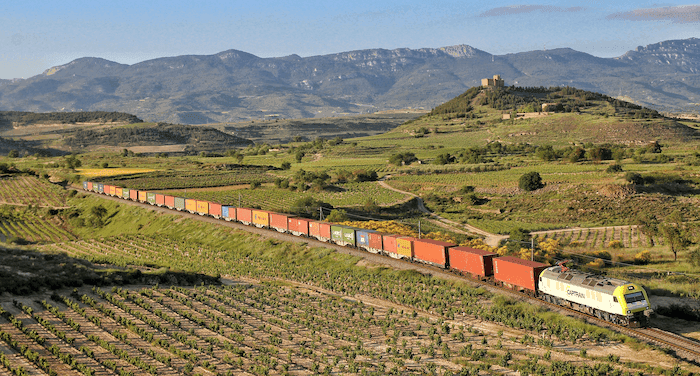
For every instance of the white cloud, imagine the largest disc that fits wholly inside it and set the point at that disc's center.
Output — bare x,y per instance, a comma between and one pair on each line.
677,14
518,9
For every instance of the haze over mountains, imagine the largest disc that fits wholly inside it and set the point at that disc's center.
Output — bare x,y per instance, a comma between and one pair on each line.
234,85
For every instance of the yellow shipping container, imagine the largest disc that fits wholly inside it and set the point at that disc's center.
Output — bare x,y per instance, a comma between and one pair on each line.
112,190
119,191
261,218
404,246
142,196
191,205
203,207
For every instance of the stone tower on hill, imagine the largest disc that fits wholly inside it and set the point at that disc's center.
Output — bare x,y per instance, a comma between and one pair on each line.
496,81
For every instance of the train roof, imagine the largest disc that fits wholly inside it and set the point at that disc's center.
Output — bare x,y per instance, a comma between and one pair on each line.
587,280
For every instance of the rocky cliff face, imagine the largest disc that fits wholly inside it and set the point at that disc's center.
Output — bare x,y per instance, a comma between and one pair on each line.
234,85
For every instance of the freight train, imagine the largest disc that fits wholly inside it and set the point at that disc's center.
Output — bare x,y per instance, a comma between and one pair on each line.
611,299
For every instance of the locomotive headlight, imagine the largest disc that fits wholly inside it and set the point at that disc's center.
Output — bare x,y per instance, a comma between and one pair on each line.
628,311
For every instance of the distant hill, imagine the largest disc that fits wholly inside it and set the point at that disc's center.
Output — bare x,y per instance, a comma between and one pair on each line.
562,116
17,118
196,138
234,86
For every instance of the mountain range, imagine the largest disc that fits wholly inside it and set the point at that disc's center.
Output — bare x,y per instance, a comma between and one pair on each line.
234,86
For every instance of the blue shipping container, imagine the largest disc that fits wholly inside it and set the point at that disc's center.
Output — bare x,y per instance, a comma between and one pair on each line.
363,237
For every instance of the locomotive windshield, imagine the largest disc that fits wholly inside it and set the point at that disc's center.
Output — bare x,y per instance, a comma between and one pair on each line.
635,300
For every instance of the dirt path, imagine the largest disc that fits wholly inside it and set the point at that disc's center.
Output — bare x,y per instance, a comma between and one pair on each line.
489,238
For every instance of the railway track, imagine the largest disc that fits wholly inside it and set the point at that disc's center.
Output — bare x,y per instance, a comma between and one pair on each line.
683,347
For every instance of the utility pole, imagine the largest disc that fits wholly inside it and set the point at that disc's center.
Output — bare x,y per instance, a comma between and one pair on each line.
320,213
532,249
419,234
239,200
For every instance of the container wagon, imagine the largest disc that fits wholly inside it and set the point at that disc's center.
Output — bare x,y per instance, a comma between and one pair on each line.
151,197
244,215
228,212
362,239
119,192
191,205
476,262
180,204
280,221
375,242
169,201
160,199
261,218
298,226
404,247
215,210
517,273
337,234
112,190
202,207
134,194
390,245
433,252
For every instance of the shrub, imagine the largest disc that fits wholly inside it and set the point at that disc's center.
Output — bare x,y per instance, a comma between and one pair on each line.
597,263
614,168
634,178
643,257
615,244
530,181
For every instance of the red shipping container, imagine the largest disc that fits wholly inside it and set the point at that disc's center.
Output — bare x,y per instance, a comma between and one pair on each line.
215,209
431,251
375,242
390,244
244,215
89,186
133,194
168,201
160,199
303,225
518,272
471,260
279,221
325,230
293,225
315,229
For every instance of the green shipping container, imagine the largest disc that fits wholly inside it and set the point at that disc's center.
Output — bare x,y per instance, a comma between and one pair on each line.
349,235
125,193
337,233
151,198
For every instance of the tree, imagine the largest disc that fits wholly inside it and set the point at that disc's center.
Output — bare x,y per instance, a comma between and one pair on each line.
337,215
649,226
530,181
546,153
13,154
403,158
98,214
286,165
675,234
73,162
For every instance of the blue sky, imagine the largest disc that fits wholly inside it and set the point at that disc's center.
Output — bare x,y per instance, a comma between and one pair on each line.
36,35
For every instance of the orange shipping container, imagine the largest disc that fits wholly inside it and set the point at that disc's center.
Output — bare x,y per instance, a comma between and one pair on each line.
133,194
390,244
471,260
518,272
431,251
215,209
404,246
244,215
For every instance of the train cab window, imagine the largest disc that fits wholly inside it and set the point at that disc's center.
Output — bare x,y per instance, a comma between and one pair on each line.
634,297
615,299
569,277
